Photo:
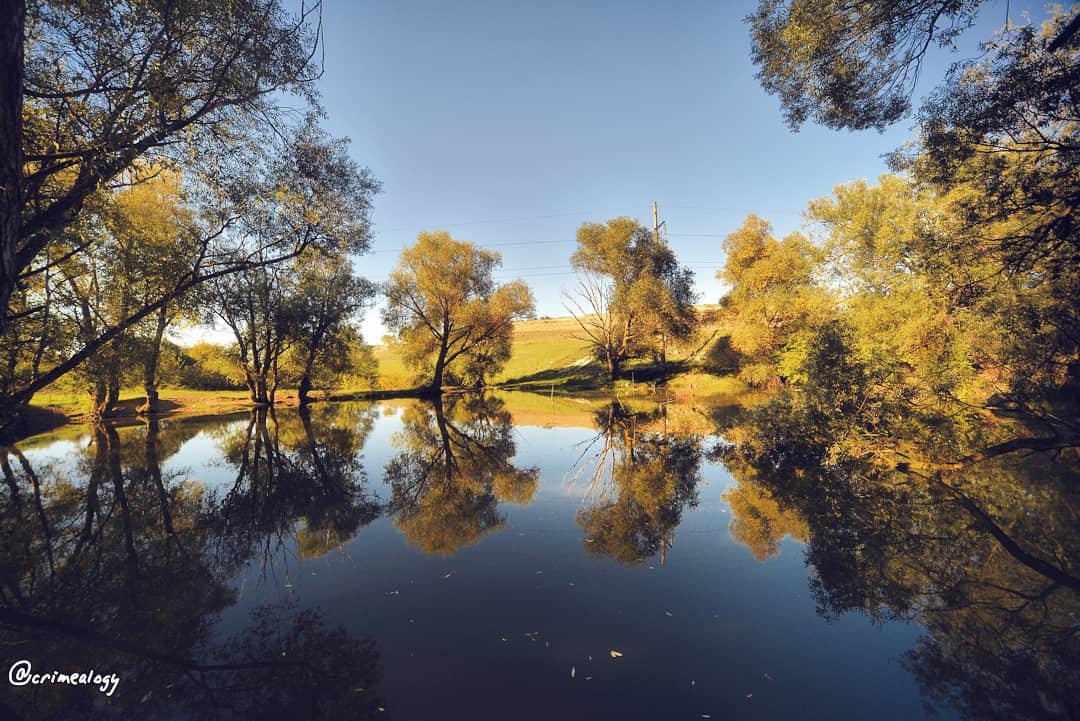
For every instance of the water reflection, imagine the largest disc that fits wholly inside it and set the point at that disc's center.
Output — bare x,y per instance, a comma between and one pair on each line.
113,564
641,480
982,555
454,468
119,557
295,467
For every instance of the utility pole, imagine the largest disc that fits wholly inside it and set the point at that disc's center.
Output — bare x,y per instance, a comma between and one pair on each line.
663,333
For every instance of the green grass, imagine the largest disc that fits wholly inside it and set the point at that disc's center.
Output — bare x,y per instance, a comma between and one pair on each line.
548,357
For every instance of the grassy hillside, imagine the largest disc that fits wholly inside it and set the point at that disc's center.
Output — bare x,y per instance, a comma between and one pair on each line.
547,355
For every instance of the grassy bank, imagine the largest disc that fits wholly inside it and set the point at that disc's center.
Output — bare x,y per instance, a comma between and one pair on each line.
547,358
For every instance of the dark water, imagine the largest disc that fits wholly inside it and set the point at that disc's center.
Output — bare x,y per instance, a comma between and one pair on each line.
412,562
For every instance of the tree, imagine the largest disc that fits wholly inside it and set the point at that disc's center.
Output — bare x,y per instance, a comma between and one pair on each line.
995,153
850,65
256,307
633,296
328,299
198,88
89,88
774,295
450,316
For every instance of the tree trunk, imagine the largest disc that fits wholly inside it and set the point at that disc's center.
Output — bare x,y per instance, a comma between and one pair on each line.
12,20
612,366
11,415
440,369
259,394
305,388
113,385
150,367
99,400
252,386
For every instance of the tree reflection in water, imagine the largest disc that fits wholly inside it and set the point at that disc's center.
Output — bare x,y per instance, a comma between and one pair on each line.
641,480
454,468
287,472
115,565
983,553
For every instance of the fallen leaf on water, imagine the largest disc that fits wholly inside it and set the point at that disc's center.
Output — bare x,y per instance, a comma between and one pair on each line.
691,683
615,654
589,658
749,695
768,677
668,613
573,671
705,715
588,678
504,639
358,690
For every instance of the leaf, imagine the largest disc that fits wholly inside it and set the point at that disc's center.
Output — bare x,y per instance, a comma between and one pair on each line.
573,671
616,654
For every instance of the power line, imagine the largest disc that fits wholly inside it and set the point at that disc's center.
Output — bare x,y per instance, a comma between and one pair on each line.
492,221
486,245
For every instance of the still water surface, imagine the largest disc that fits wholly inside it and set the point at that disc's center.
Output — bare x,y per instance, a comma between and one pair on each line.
487,559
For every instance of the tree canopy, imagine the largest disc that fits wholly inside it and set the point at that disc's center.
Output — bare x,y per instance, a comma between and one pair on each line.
633,297
452,320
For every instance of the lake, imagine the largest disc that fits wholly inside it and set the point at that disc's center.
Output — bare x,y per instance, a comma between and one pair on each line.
519,557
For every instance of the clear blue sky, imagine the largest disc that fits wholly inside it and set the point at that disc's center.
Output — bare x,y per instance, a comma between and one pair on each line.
512,123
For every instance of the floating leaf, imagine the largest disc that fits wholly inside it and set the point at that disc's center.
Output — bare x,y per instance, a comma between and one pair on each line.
573,671
615,654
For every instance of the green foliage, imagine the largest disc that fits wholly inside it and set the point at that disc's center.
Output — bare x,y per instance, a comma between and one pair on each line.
850,65
208,366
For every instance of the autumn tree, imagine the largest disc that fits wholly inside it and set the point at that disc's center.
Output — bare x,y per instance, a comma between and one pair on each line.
995,151
89,88
774,295
152,233
451,318
632,295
